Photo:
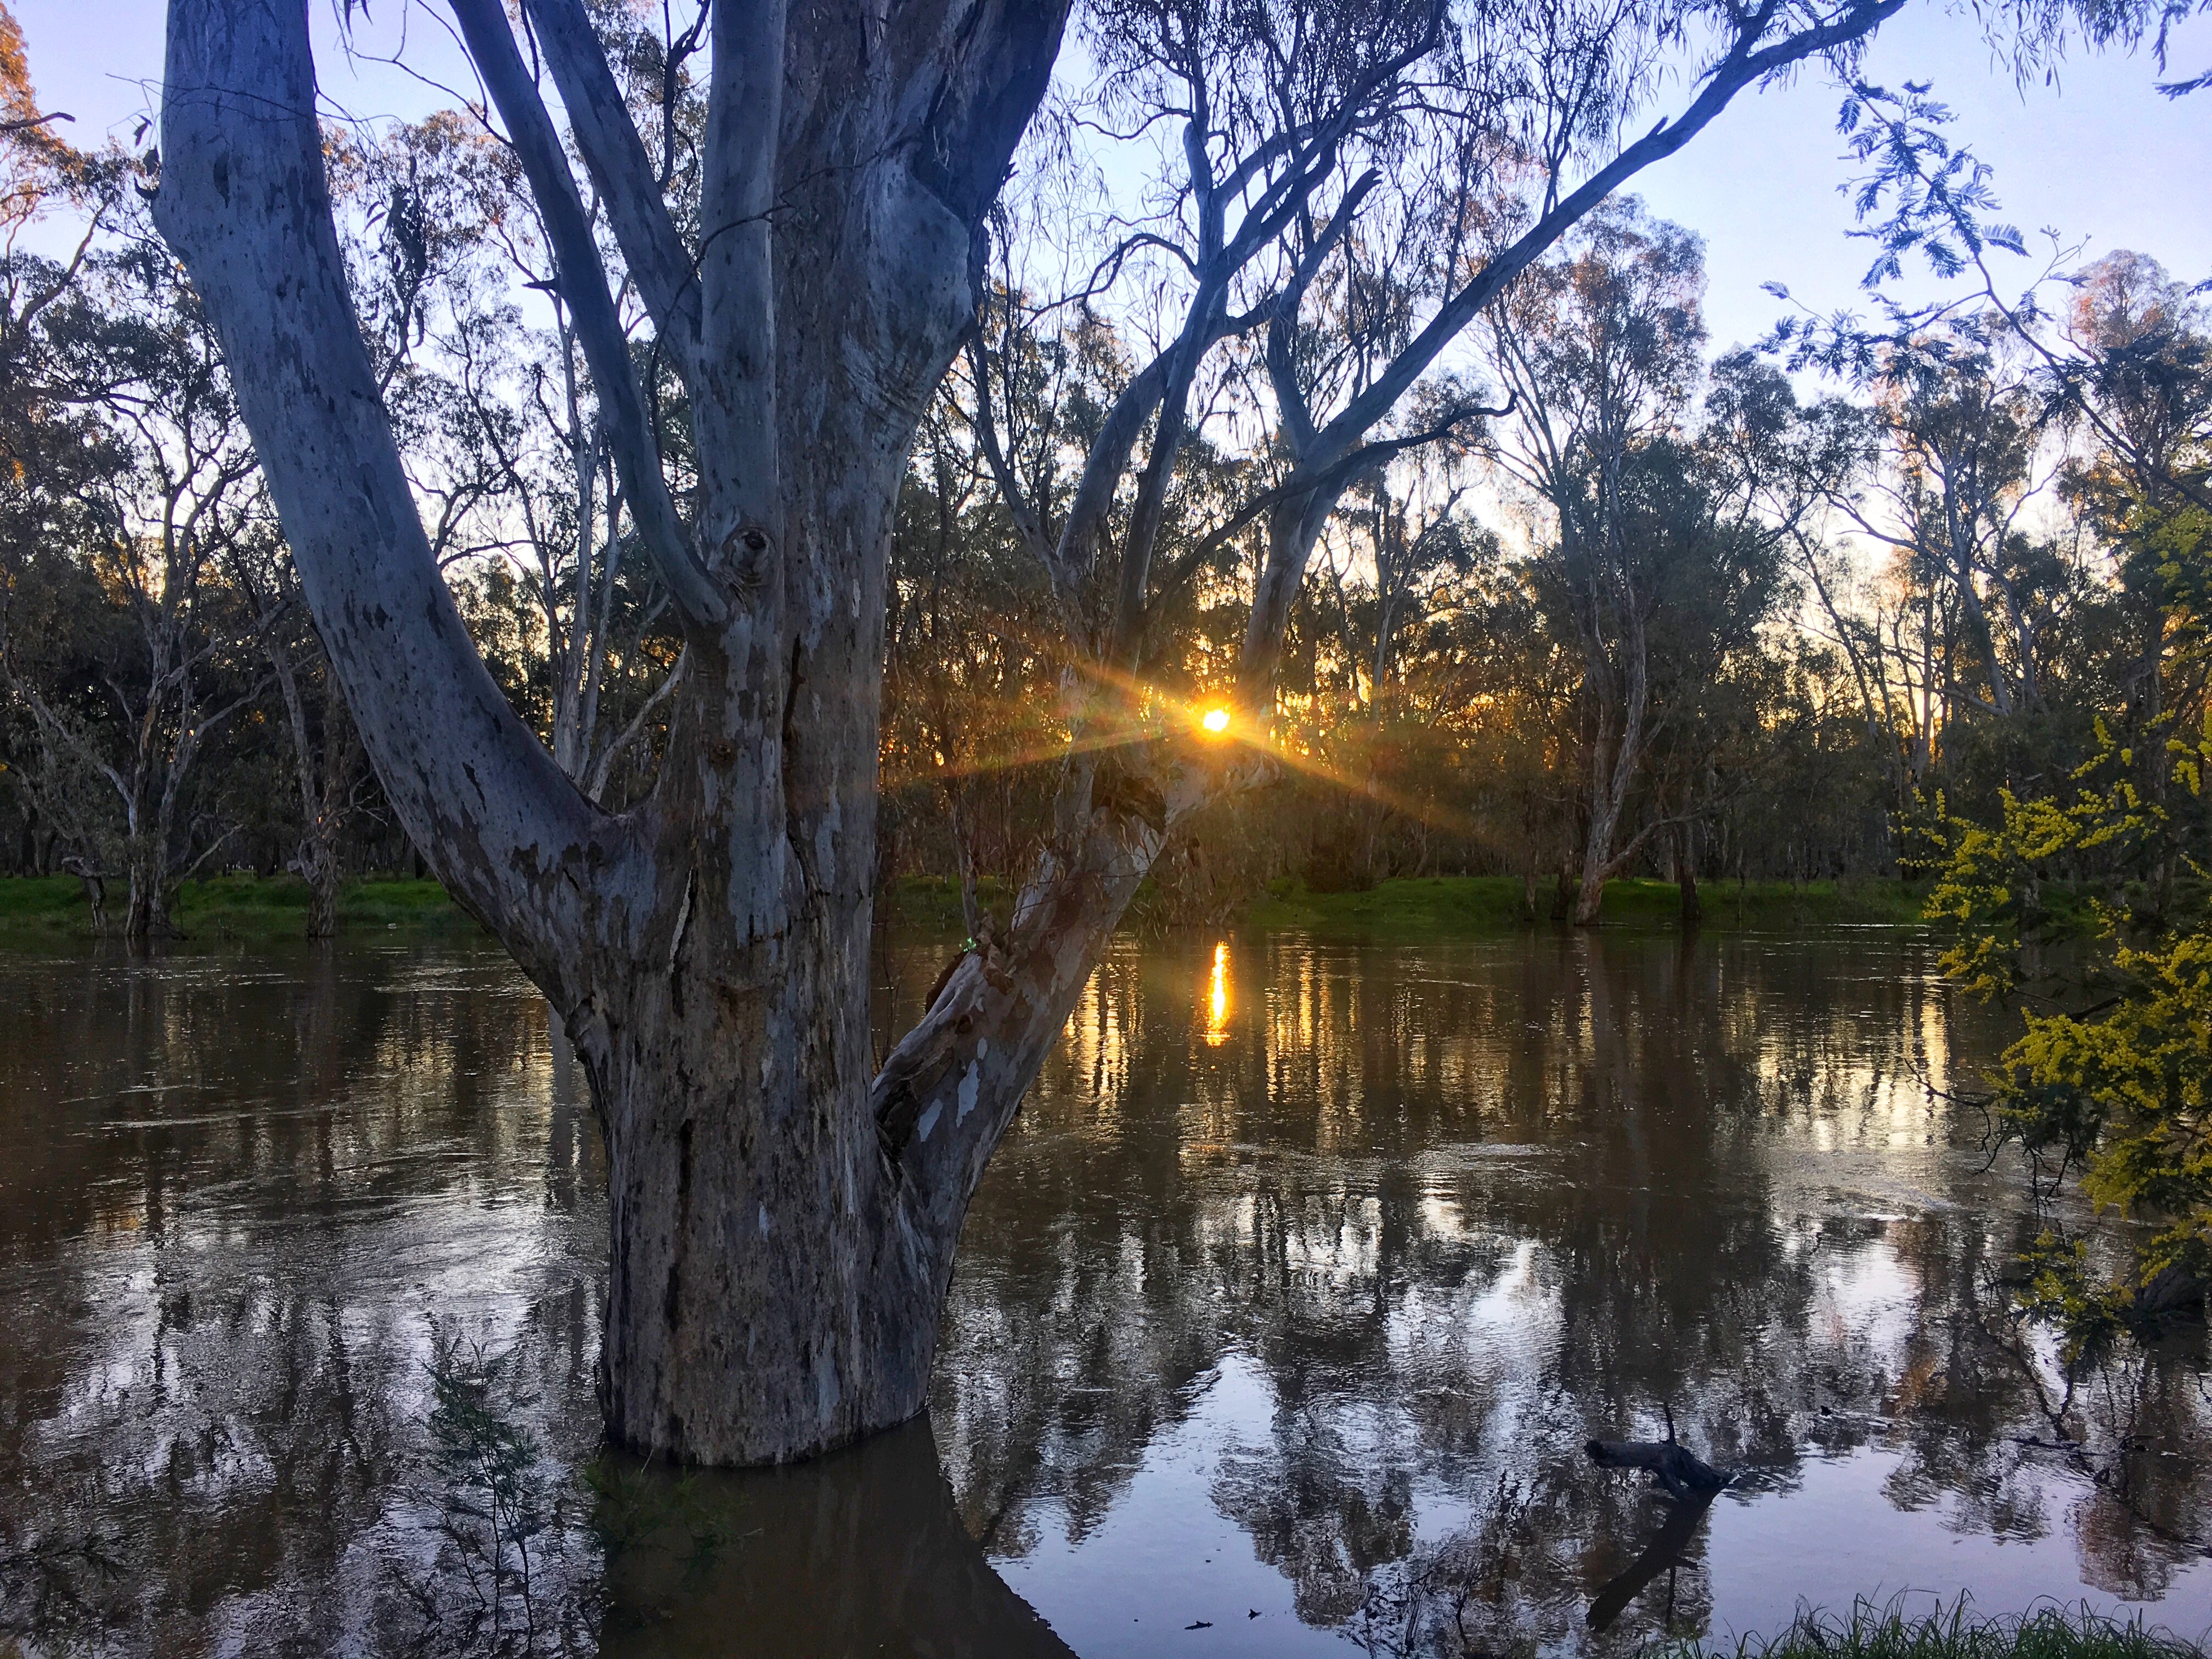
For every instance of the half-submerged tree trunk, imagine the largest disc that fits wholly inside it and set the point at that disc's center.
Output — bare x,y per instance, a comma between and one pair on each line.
1686,872
317,861
146,868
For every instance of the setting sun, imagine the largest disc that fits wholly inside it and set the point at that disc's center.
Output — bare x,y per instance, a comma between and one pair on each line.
1216,720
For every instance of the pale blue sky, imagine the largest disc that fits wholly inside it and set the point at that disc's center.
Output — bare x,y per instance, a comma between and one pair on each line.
2102,157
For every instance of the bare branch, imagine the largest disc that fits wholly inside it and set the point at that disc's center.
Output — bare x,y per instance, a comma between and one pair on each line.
612,149
598,328
603,768
1742,67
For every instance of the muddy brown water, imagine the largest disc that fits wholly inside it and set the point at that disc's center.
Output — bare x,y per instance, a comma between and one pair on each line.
1278,1325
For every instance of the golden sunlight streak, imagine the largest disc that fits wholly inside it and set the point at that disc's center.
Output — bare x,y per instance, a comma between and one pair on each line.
1217,996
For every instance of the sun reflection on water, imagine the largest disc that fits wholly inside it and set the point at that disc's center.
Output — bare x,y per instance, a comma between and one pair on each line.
1217,996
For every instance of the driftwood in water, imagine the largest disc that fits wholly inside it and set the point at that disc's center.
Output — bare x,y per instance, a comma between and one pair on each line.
1683,1473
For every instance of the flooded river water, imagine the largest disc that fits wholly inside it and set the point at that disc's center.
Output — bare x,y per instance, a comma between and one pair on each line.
1278,1327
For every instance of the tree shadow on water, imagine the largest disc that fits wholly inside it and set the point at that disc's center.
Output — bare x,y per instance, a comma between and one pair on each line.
860,1552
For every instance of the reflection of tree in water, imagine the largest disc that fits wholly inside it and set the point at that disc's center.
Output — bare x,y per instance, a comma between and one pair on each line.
1457,1211
248,1199
2134,1423
1393,1251
857,1553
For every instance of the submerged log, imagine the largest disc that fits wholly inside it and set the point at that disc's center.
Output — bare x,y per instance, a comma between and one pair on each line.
1685,1475
2173,1290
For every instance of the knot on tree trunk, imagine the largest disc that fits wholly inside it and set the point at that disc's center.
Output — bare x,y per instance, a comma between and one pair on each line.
1120,791
1685,1475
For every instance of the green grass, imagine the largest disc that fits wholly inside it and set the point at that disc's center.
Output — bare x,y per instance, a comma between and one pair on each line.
931,904
248,907
228,907
1451,905
1447,904
1884,1631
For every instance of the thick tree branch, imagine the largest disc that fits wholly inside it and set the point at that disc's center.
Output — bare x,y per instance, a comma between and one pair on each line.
1744,64
948,1090
245,201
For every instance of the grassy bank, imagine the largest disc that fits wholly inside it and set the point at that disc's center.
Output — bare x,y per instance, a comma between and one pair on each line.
1483,904
228,907
248,907
1884,1630
931,904
1445,904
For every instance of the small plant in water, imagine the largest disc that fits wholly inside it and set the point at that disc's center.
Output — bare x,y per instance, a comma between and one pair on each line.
492,1502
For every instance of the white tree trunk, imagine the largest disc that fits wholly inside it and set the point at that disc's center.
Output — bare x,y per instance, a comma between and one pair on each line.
777,1265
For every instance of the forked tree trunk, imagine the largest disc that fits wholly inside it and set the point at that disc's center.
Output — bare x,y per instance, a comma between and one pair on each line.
1597,866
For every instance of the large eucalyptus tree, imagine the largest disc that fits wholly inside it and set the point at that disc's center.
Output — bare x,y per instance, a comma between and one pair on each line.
784,1212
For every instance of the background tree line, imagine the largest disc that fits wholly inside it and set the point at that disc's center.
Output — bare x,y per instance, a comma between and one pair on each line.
166,707
1675,612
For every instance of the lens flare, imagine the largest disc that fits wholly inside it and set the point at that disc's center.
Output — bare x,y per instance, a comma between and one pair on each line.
1216,720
